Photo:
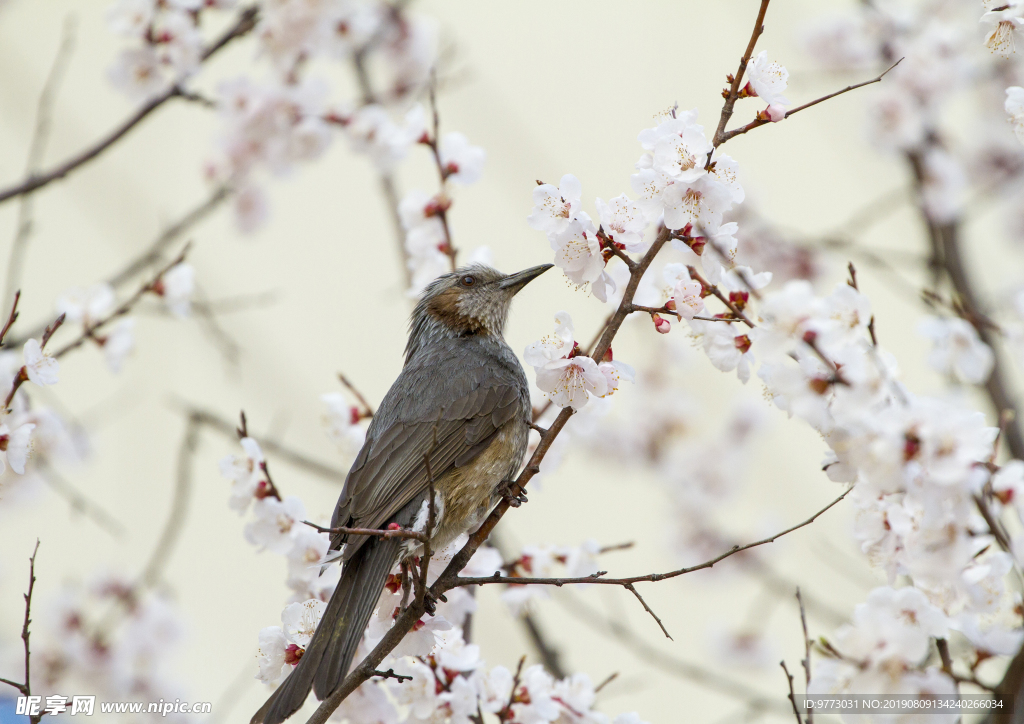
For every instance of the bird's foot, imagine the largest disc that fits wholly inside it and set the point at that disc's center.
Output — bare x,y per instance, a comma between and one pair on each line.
429,602
512,493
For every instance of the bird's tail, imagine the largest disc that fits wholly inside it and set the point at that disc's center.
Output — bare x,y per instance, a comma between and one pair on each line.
330,651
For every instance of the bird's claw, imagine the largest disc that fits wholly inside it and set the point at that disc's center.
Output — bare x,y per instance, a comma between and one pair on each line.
513,494
429,602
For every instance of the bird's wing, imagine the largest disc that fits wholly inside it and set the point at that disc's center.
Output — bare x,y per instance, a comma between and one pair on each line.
454,421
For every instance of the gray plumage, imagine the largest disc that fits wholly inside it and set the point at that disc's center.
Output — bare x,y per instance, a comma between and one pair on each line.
463,400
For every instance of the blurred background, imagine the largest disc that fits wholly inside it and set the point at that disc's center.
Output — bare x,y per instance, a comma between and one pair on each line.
547,89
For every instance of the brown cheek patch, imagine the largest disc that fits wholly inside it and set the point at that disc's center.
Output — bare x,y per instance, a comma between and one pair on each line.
445,308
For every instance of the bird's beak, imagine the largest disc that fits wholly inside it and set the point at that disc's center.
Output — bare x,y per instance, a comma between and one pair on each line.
517,281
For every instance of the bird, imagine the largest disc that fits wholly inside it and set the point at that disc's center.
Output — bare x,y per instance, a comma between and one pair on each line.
461,402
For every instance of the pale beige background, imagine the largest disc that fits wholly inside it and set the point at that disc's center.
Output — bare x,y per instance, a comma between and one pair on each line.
546,88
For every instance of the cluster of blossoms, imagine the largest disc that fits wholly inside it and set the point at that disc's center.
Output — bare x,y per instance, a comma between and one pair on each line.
923,469
277,524
166,43
428,247
286,118
18,421
343,423
449,681
109,638
566,374
272,124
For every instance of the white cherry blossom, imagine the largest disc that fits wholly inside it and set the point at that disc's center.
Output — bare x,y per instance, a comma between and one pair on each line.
677,148
276,523
554,346
578,251
342,422
957,349
244,473
299,621
555,208
768,79
118,344
462,162
15,445
177,286
1014,107
41,368
684,291
1006,24
624,223
270,655
138,73
131,18
87,306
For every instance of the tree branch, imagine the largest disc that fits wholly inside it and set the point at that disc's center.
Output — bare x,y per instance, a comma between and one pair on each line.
26,688
598,578
737,80
179,506
760,121
243,25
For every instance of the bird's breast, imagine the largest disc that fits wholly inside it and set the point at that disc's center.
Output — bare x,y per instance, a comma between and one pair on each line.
469,492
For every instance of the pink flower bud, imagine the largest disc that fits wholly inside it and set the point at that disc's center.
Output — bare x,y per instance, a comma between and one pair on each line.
776,112
661,325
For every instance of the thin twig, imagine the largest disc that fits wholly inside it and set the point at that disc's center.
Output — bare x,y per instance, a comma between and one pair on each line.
26,688
759,121
598,578
390,674
153,253
806,661
151,574
377,532
37,147
632,589
387,181
792,694
367,411
737,79
243,25
12,318
442,208
611,677
694,274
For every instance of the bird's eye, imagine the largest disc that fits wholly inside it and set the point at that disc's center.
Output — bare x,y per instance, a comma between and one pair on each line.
467,281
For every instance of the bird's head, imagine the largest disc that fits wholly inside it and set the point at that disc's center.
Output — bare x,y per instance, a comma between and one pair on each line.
472,300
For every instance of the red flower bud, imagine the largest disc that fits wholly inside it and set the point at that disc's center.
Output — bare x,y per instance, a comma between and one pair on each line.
911,446
661,325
